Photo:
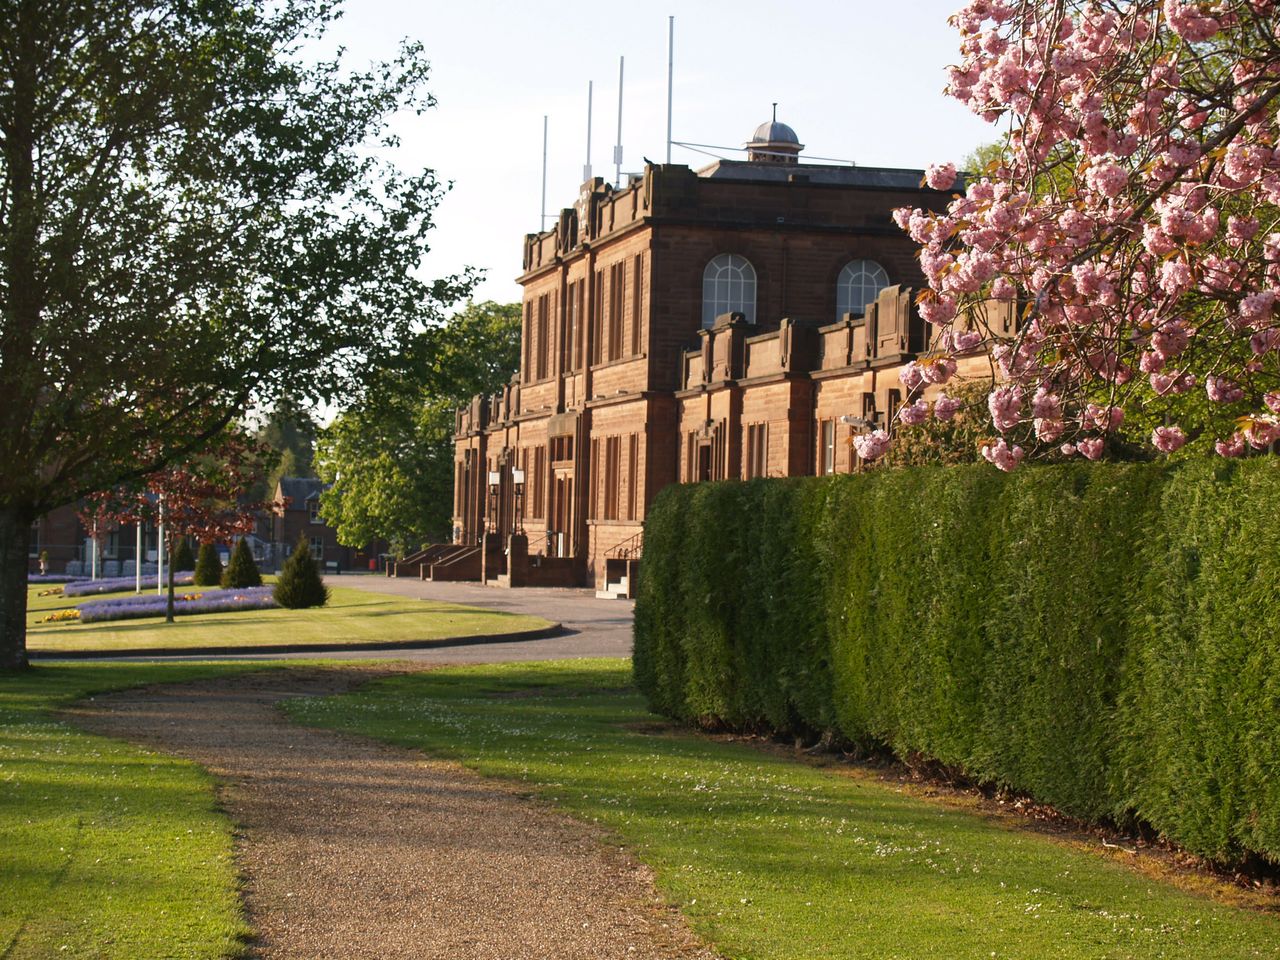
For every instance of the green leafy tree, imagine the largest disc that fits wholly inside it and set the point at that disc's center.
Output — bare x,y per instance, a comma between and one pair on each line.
208,572
299,584
241,571
196,215
389,457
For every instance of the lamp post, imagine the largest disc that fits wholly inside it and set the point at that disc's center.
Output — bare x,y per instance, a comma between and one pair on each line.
517,521
495,481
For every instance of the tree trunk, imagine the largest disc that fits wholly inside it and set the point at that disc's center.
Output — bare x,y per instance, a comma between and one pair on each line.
168,549
15,536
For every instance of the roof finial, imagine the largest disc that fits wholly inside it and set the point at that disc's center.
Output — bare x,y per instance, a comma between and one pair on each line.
775,111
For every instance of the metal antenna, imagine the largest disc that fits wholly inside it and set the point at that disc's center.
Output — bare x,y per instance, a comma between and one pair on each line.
671,60
586,169
542,223
775,111
617,150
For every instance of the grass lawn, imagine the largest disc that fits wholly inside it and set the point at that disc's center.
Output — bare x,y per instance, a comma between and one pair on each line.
107,850
352,616
771,858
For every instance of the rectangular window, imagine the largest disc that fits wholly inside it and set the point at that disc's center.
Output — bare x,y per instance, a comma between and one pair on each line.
568,356
612,455
637,285
33,545
633,476
527,336
757,459
617,295
597,320
313,511
317,547
539,480
543,337
828,463
595,479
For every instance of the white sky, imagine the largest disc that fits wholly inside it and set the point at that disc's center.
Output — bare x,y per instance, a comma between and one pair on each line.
857,80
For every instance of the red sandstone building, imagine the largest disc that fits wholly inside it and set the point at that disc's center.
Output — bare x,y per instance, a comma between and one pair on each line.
693,325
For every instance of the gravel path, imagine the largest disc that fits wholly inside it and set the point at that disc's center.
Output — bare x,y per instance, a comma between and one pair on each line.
353,849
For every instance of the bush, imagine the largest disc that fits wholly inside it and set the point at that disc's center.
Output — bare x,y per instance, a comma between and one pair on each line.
241,571
300,584
1103,637
183,559
208,567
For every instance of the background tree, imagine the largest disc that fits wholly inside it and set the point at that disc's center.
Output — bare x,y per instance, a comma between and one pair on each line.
183,558
208,571
1133,212
195,214
299,584
201,498
389,457
241,571
289,430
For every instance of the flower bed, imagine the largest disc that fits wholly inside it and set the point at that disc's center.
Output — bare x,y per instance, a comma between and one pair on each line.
53,578
214,601
84,588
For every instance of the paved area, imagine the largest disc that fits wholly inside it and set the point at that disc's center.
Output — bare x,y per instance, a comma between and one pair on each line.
597,628
353,849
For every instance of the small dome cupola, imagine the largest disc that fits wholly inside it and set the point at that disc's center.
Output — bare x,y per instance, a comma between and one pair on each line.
774,142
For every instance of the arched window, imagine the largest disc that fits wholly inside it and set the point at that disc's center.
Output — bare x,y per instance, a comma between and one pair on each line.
728,286
859,282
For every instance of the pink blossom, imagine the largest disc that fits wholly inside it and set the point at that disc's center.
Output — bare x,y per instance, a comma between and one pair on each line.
1232,447
1091,448
914,413
1171,339
1188,20
1152,361
1046,404
1067,449
1222,390
1108,178
945,407
1005,404
1002,455
1272,400
941,176
1261,432
911,375
1257,306
1049,430
1168,439
939,370
1103,418
871,446
1240,230
1265,341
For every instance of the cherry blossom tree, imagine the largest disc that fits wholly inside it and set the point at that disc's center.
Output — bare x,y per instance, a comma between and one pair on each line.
202,497
1132,217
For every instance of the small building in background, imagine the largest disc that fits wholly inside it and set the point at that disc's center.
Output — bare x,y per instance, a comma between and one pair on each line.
297,515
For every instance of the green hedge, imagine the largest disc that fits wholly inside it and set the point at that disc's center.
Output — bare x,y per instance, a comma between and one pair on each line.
1105,638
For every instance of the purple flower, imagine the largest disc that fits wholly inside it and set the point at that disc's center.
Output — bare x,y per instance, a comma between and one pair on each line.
85,588
212,601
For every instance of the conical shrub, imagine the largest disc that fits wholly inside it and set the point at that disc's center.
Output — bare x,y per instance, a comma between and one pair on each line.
241,571
183,558
208,567
300,584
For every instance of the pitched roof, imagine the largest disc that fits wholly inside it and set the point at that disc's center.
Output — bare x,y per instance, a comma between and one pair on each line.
299,490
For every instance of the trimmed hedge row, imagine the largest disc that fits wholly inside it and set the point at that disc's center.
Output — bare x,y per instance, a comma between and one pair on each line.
1103,637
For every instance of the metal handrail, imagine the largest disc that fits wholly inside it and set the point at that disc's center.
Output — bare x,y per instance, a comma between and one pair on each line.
629,549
